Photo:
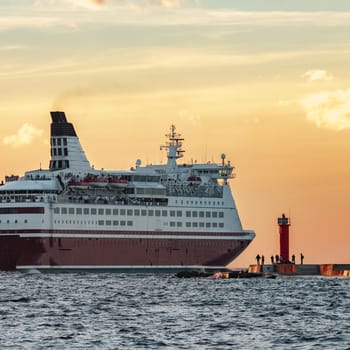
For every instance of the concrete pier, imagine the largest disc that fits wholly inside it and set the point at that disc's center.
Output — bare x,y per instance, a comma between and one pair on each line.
341,270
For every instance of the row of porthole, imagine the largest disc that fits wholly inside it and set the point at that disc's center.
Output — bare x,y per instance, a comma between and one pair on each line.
97,222
15,222
138,212
200,202
197,224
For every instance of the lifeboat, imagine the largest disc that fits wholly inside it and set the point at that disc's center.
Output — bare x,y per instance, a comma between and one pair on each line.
96,181
117,182
78,185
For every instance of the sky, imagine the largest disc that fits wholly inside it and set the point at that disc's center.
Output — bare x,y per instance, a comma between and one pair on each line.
265,82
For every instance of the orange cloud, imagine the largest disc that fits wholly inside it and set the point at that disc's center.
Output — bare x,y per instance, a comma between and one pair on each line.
317,74
328,109
98,2
24,136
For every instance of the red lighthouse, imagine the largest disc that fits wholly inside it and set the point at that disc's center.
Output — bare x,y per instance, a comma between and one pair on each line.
284,224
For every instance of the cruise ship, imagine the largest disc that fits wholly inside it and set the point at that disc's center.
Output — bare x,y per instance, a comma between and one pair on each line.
72,217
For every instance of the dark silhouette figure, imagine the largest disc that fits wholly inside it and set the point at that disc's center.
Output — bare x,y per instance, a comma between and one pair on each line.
258,259
277,258
301,258
262,259
293,259
272,260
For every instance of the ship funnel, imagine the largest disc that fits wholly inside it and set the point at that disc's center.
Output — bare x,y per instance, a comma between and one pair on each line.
66,150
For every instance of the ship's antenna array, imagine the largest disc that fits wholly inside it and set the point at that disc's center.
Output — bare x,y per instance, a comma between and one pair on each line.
173,146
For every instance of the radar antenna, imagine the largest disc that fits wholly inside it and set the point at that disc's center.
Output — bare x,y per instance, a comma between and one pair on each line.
173,145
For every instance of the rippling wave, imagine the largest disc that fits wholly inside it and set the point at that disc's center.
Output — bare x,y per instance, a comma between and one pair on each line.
119,311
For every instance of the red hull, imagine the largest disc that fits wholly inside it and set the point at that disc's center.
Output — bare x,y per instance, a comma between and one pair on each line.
121,253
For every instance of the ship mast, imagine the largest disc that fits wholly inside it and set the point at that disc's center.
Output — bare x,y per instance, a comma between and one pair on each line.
174,148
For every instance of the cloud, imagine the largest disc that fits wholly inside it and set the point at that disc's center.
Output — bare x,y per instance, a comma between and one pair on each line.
328,109
168,3
25,136
87,4
12,47
317,74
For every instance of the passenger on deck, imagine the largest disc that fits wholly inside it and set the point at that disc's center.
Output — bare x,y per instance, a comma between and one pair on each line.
258,259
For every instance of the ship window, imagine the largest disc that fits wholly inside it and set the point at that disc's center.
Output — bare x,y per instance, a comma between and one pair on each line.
101,222
56,210
59,164
188,224
188,214
93,211
65,151
122,211
221,214
58,142
59,151
164,213
137,212
179,224
172,224
115,211
215,224
108,211
207,224
86,211
54,142
101,211
194,214
122,223
172,212
71,210
129,223
65,142
179,213
221,224
108,222
195,224
55,152
115,222
207,214
143,212
150,213
201,214
201,224
67,163
129,212
157,212
214,214
79,211
63,210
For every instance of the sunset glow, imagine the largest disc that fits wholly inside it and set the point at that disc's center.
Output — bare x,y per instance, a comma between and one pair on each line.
266,83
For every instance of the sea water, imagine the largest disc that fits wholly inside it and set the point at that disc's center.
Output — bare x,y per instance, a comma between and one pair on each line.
149,311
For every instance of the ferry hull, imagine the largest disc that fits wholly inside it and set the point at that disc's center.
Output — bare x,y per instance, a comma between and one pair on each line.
122,254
